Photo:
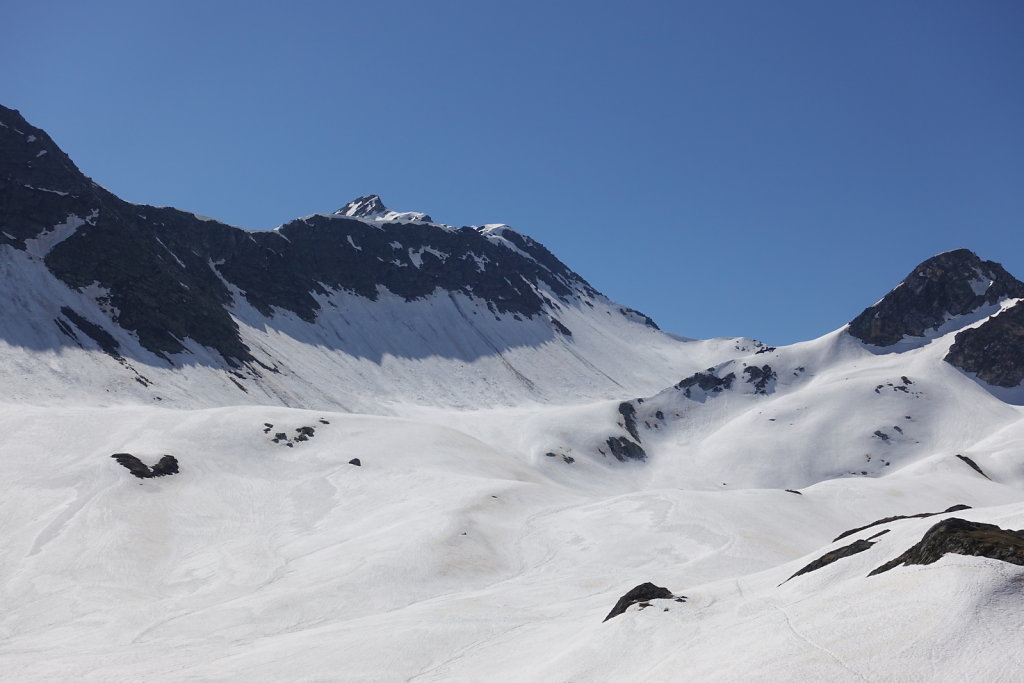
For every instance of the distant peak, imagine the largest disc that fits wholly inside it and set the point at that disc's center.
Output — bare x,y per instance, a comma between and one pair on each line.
367,206
371,207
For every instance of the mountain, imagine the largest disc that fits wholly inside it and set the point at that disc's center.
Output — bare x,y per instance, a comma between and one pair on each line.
175,299
370,446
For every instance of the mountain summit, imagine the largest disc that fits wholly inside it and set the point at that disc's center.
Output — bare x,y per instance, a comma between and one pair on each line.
952,284
371,207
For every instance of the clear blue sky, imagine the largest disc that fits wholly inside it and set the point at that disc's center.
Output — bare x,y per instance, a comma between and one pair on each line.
730,168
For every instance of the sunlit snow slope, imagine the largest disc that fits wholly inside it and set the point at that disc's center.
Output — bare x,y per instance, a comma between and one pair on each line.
408,451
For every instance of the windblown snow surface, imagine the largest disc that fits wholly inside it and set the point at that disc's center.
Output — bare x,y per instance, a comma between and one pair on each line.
460,550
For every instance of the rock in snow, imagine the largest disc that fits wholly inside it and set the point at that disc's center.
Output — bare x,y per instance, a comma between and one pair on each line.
962,537
642,593
167,465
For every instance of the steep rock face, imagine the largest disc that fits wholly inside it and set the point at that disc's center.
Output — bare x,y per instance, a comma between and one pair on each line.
994,351
167,275
950,284
39,185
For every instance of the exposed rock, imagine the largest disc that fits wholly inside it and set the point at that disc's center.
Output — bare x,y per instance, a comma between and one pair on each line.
562,329
642,593
102,338
707,381
355,461
974,466
759,377
993,351
167,465
962,537
955,508
623,449
793,491
950,284
628,413
833,555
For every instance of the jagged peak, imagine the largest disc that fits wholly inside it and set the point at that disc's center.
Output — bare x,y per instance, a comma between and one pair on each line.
951,284
371,207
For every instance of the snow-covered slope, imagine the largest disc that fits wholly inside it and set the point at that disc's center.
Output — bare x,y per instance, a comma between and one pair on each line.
447,557
396,450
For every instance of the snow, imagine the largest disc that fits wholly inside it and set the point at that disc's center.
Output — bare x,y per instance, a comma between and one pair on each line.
43,189
495,233
416,255
173,255
459,550
981,284
448,556
30,138
41,245
40,153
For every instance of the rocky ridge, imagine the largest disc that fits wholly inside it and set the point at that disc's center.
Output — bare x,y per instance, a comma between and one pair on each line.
166,275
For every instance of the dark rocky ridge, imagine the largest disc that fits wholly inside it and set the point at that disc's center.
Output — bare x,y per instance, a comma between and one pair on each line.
832,556
993,351
169,274
894,518
938,288
962,537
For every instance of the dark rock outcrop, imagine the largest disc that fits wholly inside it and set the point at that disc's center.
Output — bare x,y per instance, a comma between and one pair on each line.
628,413
962,537
886,520
973,465
993,351
759,377
167,465
642,593
103,339
950,284
833,555
623,449
707,381
355,461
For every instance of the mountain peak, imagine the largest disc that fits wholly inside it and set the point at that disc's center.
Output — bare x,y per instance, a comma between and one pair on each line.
950,284
371,207
367,206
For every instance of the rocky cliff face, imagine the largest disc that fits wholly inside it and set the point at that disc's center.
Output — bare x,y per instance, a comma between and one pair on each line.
948,285
167,275
993,351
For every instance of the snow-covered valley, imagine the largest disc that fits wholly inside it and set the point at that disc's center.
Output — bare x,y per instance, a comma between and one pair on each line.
460,553
369,447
